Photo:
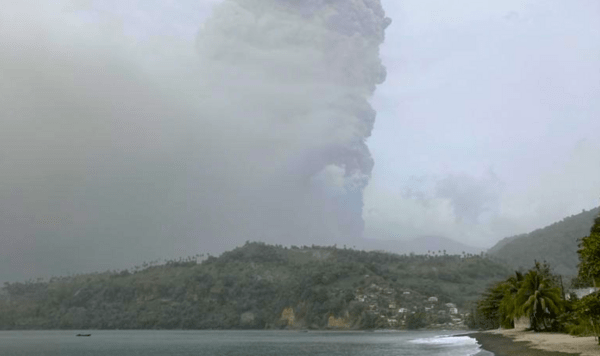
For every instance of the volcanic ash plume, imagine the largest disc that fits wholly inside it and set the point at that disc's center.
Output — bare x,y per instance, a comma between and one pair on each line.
115,150
296,76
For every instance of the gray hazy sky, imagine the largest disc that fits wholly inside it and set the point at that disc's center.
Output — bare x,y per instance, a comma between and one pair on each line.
488,121
127,137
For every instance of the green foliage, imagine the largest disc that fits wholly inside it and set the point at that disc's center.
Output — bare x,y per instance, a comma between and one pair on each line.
370,321
509,307
588,310
556,244
489,312
539,298
568,321
417,320
498,307
248,287
589,254
535,295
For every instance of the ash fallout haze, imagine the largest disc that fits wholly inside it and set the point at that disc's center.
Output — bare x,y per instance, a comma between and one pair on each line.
119,147
137,130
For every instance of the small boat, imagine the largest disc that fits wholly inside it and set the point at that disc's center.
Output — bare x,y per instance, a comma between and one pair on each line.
83,335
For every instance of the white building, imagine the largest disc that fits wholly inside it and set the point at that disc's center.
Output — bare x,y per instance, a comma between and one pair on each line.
582,292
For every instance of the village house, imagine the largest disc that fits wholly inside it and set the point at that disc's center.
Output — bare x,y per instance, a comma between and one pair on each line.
581,292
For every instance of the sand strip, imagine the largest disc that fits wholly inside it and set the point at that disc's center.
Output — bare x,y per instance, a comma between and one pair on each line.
520,342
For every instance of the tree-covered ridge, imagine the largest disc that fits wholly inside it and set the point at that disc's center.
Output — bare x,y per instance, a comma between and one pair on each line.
589,272
589,255
556,244
256,286
540,297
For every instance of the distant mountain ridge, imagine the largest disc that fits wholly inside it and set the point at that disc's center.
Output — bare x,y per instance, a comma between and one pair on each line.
423,245
556,244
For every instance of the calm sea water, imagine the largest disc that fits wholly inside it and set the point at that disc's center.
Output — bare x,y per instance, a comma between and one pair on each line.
234,343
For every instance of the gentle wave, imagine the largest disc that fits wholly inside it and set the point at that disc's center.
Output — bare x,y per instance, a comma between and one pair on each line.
454,345
446,340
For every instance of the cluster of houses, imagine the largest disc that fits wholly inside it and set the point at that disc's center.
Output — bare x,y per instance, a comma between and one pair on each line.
395,306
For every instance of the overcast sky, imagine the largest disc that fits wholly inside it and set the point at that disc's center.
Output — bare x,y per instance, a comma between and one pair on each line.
138,130
488,120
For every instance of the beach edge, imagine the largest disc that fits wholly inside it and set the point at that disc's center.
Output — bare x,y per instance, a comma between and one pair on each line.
501,345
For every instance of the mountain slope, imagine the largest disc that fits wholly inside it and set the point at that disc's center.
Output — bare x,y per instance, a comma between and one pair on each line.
256,286
556,244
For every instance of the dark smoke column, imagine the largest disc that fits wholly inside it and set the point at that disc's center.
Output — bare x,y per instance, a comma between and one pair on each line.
303,70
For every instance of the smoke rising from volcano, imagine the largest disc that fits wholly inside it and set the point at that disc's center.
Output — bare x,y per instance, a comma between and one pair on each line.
115,152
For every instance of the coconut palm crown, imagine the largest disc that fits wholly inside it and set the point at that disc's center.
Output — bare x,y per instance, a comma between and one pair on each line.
539,298
508,305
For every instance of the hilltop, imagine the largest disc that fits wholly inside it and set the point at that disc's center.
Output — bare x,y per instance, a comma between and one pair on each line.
422,245
260,286
555,244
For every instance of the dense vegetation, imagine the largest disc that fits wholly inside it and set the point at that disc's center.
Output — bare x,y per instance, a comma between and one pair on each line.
589,254
254,286
536,295
539,296
555,244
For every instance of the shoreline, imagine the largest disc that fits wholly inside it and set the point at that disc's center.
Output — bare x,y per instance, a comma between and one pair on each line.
529,343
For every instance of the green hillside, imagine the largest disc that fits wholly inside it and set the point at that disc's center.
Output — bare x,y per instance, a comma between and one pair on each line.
258,286
556,244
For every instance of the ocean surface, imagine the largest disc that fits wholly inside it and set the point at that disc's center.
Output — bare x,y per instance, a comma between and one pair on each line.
234,343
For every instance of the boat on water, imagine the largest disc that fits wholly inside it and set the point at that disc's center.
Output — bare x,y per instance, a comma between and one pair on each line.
83,335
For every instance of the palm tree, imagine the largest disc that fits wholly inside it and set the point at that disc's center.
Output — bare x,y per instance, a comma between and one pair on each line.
538,297
489,308
508,305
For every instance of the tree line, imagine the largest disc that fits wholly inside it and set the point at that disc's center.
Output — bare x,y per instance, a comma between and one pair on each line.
539,296
246,288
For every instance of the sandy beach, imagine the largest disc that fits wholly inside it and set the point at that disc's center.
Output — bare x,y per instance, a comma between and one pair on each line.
521,342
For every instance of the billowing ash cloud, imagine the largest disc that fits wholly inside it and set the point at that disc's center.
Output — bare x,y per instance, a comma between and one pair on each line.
114,153
470,197
301,73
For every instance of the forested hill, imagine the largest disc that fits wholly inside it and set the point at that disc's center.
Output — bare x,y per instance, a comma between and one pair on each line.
556,244
259,286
